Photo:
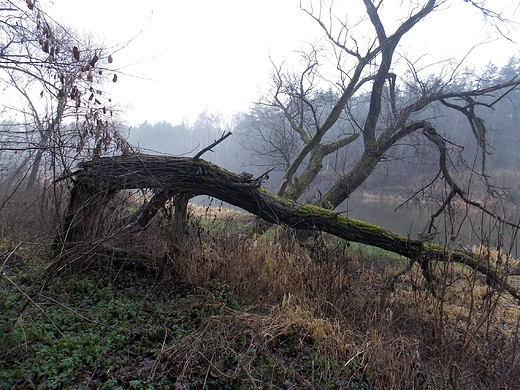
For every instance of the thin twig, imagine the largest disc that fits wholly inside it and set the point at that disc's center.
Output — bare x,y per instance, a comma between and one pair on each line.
72,311
31,300
208,148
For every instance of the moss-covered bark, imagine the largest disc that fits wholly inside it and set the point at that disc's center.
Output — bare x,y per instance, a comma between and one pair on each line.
199,177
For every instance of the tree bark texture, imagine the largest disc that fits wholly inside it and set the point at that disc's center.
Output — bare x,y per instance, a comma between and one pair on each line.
84,212
180,217
182,175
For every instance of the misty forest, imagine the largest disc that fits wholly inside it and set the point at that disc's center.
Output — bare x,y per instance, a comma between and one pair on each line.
355,228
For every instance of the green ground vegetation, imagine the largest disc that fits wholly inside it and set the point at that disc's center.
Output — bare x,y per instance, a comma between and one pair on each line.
232,312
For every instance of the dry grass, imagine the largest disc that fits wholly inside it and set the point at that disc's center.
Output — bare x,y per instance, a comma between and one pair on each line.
220,213
326,318
334,319
342,311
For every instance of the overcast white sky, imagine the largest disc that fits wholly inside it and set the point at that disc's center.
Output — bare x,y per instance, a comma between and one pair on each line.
205,54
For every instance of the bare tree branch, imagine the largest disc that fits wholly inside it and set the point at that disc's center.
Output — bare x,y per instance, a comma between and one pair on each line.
210,147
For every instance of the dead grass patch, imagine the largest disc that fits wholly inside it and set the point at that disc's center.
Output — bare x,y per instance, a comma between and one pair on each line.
339,313
220,213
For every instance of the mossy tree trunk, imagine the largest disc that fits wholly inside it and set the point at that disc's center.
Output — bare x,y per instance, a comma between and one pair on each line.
97,180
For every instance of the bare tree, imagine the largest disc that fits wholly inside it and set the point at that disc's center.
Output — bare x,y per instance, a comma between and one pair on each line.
396,108
52,84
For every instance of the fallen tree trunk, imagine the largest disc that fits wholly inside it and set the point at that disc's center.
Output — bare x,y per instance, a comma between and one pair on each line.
198,177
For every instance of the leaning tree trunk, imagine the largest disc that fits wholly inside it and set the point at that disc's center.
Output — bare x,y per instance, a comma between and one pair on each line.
86,206
97,180
83,216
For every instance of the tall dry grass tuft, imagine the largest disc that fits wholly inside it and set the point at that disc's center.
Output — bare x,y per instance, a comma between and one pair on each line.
464,336
31,217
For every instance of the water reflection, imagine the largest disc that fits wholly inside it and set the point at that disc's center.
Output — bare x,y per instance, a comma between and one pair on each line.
469,225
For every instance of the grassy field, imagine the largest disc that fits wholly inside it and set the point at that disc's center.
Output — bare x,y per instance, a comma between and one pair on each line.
232,312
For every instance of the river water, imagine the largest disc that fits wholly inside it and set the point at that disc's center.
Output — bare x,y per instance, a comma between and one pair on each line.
467,224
